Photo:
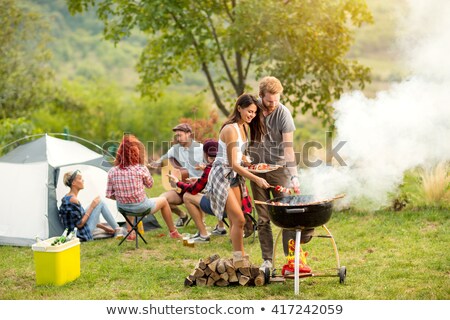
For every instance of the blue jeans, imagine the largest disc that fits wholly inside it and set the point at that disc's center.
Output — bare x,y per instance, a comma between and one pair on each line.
94,219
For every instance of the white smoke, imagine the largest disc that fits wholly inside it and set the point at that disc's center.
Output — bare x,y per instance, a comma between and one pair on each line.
401,128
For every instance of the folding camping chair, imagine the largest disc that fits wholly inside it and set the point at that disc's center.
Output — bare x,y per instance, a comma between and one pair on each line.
134,226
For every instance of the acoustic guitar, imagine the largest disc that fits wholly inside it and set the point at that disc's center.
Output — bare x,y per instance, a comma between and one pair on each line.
173,167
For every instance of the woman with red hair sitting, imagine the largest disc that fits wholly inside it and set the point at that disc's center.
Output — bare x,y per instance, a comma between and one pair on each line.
127,181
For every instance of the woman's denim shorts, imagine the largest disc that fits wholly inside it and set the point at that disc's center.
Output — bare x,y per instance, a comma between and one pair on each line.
138,207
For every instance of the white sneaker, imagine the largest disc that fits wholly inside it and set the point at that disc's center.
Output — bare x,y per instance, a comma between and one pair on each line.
201,239
119,234
218,232
266,264
197,234
182,221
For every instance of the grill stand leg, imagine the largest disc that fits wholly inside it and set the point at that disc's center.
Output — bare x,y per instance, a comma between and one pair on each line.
333,243
298,234
297,255
275,249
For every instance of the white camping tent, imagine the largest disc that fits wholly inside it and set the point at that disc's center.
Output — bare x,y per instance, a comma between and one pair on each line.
32,187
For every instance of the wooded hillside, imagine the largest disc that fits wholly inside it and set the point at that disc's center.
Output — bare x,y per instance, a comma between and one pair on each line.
96,81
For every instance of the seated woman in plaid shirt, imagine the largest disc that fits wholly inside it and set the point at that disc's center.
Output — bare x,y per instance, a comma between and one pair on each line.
127,181
73,215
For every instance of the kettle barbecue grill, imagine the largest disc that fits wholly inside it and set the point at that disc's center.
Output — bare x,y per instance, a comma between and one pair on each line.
301,212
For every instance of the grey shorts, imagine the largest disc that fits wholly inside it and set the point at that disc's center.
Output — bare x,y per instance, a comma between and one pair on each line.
138,207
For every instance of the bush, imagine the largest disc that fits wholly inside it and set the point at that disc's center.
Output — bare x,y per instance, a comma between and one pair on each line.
436,184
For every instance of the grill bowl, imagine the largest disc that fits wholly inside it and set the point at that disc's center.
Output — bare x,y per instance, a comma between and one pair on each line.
297,216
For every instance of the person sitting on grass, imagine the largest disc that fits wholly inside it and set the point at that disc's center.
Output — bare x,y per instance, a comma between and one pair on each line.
127,181
191,194
72,214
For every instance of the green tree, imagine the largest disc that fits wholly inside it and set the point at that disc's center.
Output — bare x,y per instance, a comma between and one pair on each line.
304,43
12,130
92,109
101,111
24,70
152,121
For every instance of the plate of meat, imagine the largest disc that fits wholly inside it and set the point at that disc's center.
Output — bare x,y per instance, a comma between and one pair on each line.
262,167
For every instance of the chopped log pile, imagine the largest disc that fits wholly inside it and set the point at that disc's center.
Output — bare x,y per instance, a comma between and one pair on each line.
216,271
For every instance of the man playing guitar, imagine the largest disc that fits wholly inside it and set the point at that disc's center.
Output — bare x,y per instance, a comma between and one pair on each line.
184,160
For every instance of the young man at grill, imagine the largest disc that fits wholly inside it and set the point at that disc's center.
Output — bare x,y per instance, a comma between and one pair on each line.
277,149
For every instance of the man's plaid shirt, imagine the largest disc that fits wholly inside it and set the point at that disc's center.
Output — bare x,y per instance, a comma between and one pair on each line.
196,187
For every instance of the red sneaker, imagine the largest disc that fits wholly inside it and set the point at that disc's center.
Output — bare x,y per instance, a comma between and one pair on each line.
175,235
131,236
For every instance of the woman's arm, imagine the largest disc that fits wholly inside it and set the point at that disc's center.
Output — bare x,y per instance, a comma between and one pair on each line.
230,137
110,193
147,178
87,214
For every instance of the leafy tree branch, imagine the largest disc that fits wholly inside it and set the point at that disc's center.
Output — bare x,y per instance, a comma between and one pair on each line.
303,43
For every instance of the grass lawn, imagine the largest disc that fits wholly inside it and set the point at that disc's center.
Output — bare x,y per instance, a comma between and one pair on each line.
388,255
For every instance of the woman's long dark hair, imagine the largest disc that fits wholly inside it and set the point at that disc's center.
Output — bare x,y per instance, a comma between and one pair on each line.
257,125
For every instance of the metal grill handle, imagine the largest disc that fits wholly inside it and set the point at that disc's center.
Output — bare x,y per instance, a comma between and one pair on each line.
296,210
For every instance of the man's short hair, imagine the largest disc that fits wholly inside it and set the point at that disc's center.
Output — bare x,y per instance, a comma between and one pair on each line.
270,85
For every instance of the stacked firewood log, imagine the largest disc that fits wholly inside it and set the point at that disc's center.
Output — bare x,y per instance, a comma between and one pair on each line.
215,271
